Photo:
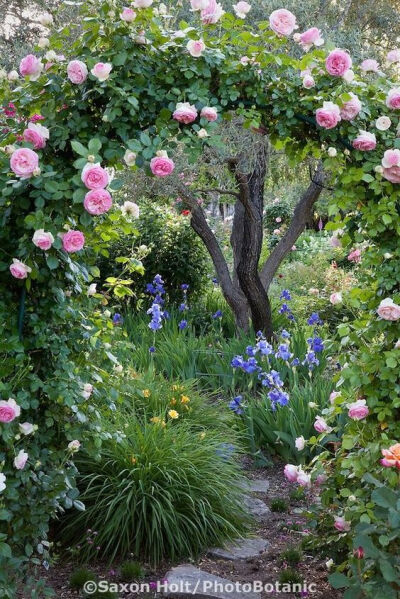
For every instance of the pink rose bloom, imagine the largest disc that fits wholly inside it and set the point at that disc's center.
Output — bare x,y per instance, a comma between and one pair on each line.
310,37
338,62
97,201
291,472
19,270
24,162
341,524
393,56
365,141
209,113
20,460
43,239
308,81
354,256
336,298
161,165
303,479
30,66
333,396
391,457
77,72
282,21
393,98
358,410
185,113
94,176
73,241
37,135
328,116
212,13
198,4
388,310
391,158
241,9
101,70
369,65
392,174
9,410
128,15
195,48
321,426
351,108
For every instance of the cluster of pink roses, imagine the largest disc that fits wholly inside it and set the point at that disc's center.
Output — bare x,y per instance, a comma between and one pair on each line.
9,411
295,474
187,113
388,310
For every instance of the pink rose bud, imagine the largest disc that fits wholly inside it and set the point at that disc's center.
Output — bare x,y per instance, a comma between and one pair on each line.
101,70
77,72
73,241
283,22
388,310
303,479
359,553
341,524
94,176
26,428
19,270
328,116
365,141
338,62
97,201
20,460
393,99
31,67
300,443
185,113
162,166
43,239
321,426
308,81
9,410
209,113
195,48
74,446
128,15
24,162
358,410
333,396
291,472
351,108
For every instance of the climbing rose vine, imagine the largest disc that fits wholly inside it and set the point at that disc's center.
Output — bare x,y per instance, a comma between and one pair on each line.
134,85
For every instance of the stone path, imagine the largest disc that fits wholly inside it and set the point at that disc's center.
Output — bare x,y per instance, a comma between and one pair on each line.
187,580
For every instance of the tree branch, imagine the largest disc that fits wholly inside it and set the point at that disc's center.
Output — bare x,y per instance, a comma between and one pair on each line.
219,191
300,217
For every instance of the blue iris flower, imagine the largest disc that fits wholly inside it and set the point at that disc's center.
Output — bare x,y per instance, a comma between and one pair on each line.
314,319
218,314
237,362
235,406
283,352
286,295
182,325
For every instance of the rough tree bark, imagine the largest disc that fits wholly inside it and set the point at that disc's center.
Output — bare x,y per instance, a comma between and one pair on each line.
246,289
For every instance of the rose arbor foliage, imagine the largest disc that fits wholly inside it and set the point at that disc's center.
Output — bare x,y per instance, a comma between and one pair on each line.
135,84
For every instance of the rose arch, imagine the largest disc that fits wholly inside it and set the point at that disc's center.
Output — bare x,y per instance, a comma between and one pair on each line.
132,87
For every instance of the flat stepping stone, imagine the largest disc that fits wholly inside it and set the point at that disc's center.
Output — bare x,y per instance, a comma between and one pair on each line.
186,580
256,485
241,549
257,508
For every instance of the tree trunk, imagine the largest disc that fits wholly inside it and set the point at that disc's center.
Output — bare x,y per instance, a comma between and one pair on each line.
251,190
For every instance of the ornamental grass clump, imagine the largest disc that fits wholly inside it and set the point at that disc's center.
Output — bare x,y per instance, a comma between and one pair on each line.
160,492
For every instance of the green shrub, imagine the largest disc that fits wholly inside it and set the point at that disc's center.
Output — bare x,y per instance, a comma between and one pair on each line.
278,505
174,251
290,576
291,556
79,577
297,494
131,571
159,492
